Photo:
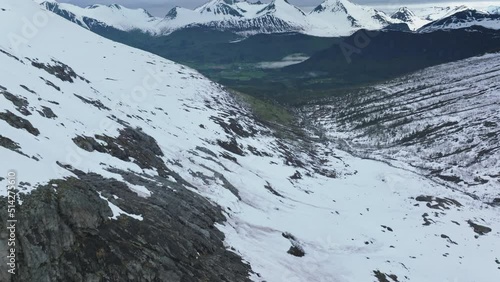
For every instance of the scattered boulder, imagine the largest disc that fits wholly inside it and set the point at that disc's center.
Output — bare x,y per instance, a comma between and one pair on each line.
479,229
131,143
59,70
383,277
19,122
96,103
47,113
438,203
296,251
19,102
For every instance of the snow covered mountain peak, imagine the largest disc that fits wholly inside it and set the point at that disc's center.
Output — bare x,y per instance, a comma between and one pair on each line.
345,15
285,10
331,18
113,15
403,14
332,6
221,7
122,10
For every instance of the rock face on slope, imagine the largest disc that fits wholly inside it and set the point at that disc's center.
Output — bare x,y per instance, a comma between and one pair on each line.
65,233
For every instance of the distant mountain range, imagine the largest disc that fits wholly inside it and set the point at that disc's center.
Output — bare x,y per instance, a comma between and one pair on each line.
330,18
465,17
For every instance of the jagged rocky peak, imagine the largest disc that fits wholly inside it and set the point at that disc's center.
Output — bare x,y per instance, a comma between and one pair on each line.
404,14
173,13
112,6
221,7
118,7
281,6
332,6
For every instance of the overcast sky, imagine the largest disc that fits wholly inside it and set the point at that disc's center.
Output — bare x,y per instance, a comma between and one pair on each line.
161,7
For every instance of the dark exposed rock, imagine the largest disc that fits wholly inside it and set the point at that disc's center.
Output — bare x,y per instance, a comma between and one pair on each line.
290,159
19,122
96,103
49,83
59,70
288,236
19,102
383,277
229,157
258,153
131,143
65,234
27,89
479,229
231,146
271,189
440,203
330,173
490,124
496,202
233,127
9,54
427,221
296,251
450,178
47,112
206,151
387,228
444,236
296,176
11,145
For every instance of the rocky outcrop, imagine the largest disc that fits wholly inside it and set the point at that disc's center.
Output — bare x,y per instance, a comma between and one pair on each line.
65,232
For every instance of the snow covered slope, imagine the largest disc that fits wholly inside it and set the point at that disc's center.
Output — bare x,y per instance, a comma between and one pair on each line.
443,121
118,132
464,18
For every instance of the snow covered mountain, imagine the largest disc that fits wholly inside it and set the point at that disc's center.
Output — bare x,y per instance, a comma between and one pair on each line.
331,18
405,15
116,16
276,17
335,17
134,168
464,17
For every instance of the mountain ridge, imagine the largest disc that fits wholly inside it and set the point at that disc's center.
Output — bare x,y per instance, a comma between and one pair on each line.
246,18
